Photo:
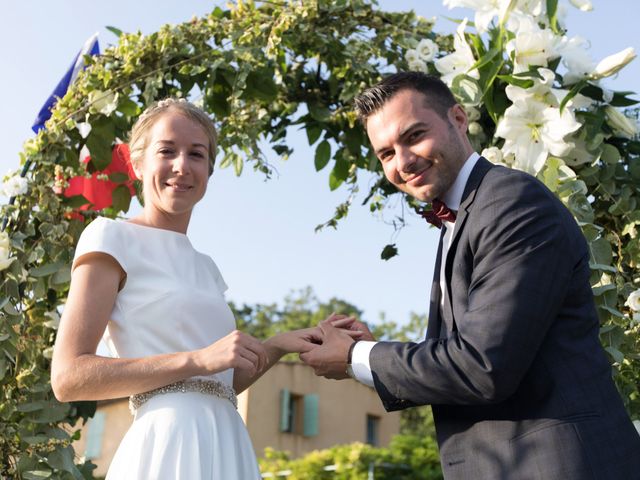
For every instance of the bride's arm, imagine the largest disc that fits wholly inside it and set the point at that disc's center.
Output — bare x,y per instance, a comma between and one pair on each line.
77,373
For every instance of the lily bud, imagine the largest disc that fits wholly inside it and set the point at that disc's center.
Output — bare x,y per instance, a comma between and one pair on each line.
584,5
613,63
620,123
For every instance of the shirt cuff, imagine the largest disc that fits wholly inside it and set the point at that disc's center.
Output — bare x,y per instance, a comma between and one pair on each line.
360,362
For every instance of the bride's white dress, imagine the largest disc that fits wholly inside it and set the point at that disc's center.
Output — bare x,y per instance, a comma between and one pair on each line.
172,300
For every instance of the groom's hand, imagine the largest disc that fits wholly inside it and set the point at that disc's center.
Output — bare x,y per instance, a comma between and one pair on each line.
330,358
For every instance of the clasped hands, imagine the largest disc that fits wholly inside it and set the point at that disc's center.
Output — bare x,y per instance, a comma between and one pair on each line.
327,345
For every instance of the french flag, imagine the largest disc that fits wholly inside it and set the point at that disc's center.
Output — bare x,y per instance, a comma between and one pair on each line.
91,47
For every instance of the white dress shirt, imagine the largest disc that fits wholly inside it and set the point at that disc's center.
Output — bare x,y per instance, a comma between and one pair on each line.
453,197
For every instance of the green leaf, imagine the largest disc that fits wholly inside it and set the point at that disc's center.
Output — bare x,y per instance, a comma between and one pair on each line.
31,406
334,180
118,177
621,99
610,154
389,251
237,165
36,475
323,154
467,90
4,366
313,133
606,268
340,170
34,440
62,459
100,142
612,311
45,270
128,107
76,201
572,93
116,31
615,353
597,291
516,80
260,86
121,198
62,276
552,13
318,112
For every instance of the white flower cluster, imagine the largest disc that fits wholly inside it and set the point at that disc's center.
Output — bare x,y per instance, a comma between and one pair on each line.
534,127
633,302
5,251
424,53
14,185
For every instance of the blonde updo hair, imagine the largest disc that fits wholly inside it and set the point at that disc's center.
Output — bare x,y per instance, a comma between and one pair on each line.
139,132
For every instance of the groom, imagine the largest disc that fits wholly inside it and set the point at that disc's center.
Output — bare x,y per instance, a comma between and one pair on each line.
512,364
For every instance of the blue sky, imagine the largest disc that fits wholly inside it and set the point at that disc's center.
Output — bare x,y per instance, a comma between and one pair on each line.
260,233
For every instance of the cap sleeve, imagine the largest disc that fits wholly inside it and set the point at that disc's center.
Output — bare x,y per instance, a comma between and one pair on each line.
103,235
217,276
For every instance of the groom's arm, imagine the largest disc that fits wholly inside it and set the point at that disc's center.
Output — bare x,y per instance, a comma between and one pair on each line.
522,253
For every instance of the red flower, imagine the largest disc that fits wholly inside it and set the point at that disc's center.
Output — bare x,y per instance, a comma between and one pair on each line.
98,191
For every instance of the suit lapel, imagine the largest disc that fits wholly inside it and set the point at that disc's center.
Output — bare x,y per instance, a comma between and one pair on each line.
480,169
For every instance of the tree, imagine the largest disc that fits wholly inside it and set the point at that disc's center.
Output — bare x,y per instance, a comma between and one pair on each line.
262,68
407,458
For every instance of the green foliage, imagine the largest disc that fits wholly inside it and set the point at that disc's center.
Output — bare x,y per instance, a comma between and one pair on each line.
408,457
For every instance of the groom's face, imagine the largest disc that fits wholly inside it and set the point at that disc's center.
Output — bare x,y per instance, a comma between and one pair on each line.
420,151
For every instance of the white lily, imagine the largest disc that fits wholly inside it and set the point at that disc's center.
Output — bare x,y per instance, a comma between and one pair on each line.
633,302
532,130
14,185
411,56
5,251
427,49
418,66
575,59
584,5
486,10
613,63
460,61
532,47
493,154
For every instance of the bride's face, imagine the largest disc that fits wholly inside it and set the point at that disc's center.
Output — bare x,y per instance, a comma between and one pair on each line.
175,166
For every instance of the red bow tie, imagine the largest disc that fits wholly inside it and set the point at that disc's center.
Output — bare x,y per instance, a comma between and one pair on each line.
439,212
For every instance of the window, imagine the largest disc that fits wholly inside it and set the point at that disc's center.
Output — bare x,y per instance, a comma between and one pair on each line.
298,413
95,429
373,425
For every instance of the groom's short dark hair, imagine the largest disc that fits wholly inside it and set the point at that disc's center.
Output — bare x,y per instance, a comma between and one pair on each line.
437,95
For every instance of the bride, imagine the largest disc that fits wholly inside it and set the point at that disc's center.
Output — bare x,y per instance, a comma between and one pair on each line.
159,305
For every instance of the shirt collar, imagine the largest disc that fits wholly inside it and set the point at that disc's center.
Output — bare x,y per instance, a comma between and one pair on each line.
453,197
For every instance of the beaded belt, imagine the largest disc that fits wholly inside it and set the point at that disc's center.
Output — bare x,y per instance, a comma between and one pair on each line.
210,387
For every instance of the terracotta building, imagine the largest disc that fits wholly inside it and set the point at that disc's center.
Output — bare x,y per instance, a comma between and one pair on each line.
289,408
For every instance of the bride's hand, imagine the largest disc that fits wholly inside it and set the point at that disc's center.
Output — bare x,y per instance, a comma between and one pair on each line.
354,328
296,341
236,350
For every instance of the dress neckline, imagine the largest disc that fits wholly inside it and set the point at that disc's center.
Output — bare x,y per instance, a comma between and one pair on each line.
150,228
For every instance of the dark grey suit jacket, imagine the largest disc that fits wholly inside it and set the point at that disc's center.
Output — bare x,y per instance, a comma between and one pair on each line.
512,365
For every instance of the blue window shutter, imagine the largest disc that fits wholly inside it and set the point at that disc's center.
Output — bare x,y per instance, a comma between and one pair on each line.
95,429
310,415
285,415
